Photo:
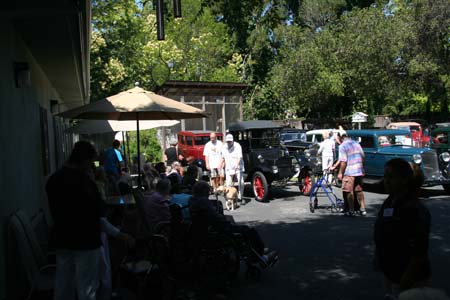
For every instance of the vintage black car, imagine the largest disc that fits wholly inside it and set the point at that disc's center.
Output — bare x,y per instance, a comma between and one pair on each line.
266,161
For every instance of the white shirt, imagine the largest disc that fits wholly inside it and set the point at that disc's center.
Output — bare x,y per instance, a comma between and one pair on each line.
214,153
327,148
233,158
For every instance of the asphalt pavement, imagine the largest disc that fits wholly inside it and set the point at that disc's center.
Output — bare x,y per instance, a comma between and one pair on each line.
326,255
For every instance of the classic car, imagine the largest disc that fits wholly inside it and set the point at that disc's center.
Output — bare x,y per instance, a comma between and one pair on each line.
266,162
415,129
382,145
192,143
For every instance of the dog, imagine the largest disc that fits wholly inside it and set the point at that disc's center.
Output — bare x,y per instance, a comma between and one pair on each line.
231,194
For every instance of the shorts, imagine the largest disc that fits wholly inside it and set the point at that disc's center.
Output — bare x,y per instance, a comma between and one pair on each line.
216,172
352,184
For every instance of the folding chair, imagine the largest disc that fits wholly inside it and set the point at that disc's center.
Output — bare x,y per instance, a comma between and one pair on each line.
40,276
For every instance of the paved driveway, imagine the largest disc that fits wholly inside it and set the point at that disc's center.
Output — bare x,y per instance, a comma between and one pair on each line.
326,255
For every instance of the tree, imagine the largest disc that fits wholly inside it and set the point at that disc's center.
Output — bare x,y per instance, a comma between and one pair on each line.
149,145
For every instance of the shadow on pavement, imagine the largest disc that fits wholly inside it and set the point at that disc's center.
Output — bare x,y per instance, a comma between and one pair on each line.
329,256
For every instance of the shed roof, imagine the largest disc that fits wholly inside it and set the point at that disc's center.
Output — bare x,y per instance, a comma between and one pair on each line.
255,124
202,88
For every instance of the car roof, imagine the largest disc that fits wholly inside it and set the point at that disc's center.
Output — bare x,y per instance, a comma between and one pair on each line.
255,124
403,124
322,131
284,130
378,132
440,129
198,132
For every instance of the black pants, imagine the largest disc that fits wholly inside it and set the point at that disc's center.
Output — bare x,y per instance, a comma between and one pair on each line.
251,235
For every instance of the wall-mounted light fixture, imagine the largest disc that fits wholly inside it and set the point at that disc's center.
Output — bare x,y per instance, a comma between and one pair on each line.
22,76
54,106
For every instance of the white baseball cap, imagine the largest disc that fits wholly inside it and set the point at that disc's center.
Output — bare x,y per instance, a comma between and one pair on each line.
229,138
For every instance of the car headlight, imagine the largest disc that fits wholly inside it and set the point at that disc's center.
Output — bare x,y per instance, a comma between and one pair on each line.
261,159
274,169
307,154
417,158
445,156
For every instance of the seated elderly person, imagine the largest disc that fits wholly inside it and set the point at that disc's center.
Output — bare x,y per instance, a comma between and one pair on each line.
204,215
151,176
156,204
189,179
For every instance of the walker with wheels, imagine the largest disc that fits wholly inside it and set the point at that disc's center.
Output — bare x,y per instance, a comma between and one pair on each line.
323,187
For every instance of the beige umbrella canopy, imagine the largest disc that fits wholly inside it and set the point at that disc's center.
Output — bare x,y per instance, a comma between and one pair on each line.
103,126
135,104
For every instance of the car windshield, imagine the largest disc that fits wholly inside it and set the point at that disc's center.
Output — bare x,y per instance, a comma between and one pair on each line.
202,140
264,138
390,140
294,136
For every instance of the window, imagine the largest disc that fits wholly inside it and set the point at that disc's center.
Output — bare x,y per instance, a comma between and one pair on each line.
367,142
201,140
45,148
181,139
189,140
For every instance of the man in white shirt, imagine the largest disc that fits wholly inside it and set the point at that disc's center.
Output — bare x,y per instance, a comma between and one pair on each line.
327,148
234,164
213,160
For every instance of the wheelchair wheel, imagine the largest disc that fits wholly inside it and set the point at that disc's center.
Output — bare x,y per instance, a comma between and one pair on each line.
253,273
219,260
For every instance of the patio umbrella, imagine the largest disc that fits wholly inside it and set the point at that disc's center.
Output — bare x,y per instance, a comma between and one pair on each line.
104,126
135,104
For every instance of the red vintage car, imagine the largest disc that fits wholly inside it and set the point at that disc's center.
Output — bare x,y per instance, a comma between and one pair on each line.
192,143
418,137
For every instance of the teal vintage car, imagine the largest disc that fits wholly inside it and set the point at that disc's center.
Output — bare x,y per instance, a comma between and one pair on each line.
380,146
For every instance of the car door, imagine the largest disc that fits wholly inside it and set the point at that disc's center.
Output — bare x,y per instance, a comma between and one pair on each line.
373,159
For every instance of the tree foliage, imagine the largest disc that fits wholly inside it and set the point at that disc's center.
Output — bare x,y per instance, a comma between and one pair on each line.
307,58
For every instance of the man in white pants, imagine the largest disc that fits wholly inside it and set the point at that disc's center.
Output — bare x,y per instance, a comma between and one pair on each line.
234,164
213,160
327,148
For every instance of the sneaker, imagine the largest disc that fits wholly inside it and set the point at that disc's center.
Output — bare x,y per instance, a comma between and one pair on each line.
271,258
349,213
363,212
389,297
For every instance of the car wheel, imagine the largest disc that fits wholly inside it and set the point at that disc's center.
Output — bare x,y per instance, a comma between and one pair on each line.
260,186
446,188
306,183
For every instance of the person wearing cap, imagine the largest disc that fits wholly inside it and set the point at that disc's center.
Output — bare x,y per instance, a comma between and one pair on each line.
171,153
213,160
233,162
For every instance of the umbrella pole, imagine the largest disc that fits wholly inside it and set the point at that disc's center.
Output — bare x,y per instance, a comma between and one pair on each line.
125,151
128,149
138,151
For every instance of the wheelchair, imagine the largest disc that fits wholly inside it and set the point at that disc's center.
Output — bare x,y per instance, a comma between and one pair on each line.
213,257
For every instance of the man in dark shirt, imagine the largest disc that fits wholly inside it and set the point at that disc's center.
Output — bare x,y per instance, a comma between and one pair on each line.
76,206
171,154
